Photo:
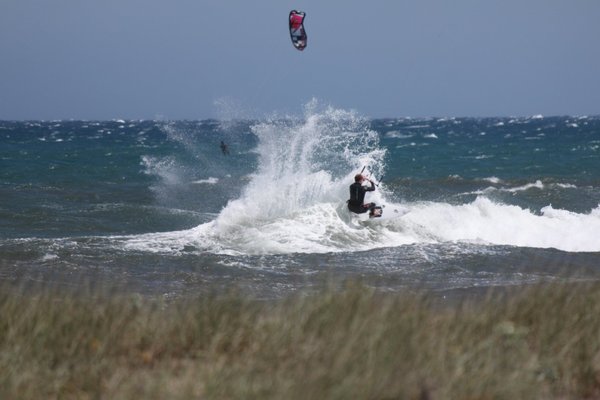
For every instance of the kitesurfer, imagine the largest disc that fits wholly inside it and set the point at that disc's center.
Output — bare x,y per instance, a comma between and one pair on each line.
357,204
224,148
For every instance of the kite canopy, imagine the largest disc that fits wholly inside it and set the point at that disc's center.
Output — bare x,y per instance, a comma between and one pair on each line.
297,32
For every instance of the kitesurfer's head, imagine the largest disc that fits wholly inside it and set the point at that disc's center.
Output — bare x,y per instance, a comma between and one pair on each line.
359,178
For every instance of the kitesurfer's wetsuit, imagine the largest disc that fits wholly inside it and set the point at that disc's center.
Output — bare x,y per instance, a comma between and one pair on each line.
357,198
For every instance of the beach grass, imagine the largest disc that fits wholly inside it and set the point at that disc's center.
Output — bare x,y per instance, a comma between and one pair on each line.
540,342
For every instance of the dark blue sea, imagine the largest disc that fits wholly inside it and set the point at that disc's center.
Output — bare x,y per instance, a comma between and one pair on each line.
156,207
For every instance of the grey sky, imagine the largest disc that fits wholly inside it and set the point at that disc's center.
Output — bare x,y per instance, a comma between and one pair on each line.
194,59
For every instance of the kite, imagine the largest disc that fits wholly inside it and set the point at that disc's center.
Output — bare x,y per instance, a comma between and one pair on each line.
297,32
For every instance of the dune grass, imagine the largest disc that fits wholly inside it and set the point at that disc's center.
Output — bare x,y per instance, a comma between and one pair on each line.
541,342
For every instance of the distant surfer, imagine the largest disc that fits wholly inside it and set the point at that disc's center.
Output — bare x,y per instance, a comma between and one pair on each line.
224,148
357,204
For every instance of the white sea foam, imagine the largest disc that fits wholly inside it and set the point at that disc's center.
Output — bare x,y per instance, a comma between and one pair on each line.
295,203
418,126
536,185
566,186
211,181
484,221
49,257
329,227
398,135
493,179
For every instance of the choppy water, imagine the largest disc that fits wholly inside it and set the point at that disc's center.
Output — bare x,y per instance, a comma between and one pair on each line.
156,207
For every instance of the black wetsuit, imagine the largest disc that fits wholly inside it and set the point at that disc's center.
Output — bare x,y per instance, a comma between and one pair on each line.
357,198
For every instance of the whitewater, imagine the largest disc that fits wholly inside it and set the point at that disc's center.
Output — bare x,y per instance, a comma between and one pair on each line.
295,203
468,203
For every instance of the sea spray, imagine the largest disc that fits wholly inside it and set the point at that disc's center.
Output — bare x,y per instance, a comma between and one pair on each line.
304,163
294,201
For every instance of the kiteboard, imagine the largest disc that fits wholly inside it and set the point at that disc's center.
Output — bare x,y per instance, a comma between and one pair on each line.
391,213
297,32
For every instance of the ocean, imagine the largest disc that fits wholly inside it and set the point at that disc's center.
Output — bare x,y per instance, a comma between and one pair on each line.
155,207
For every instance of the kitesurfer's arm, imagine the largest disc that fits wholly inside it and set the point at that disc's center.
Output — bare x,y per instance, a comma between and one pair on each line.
372,188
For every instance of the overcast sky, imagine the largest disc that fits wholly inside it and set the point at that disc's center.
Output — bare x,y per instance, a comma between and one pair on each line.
194,59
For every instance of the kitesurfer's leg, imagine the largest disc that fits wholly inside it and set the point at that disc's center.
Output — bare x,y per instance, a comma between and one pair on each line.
357,209
369,207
